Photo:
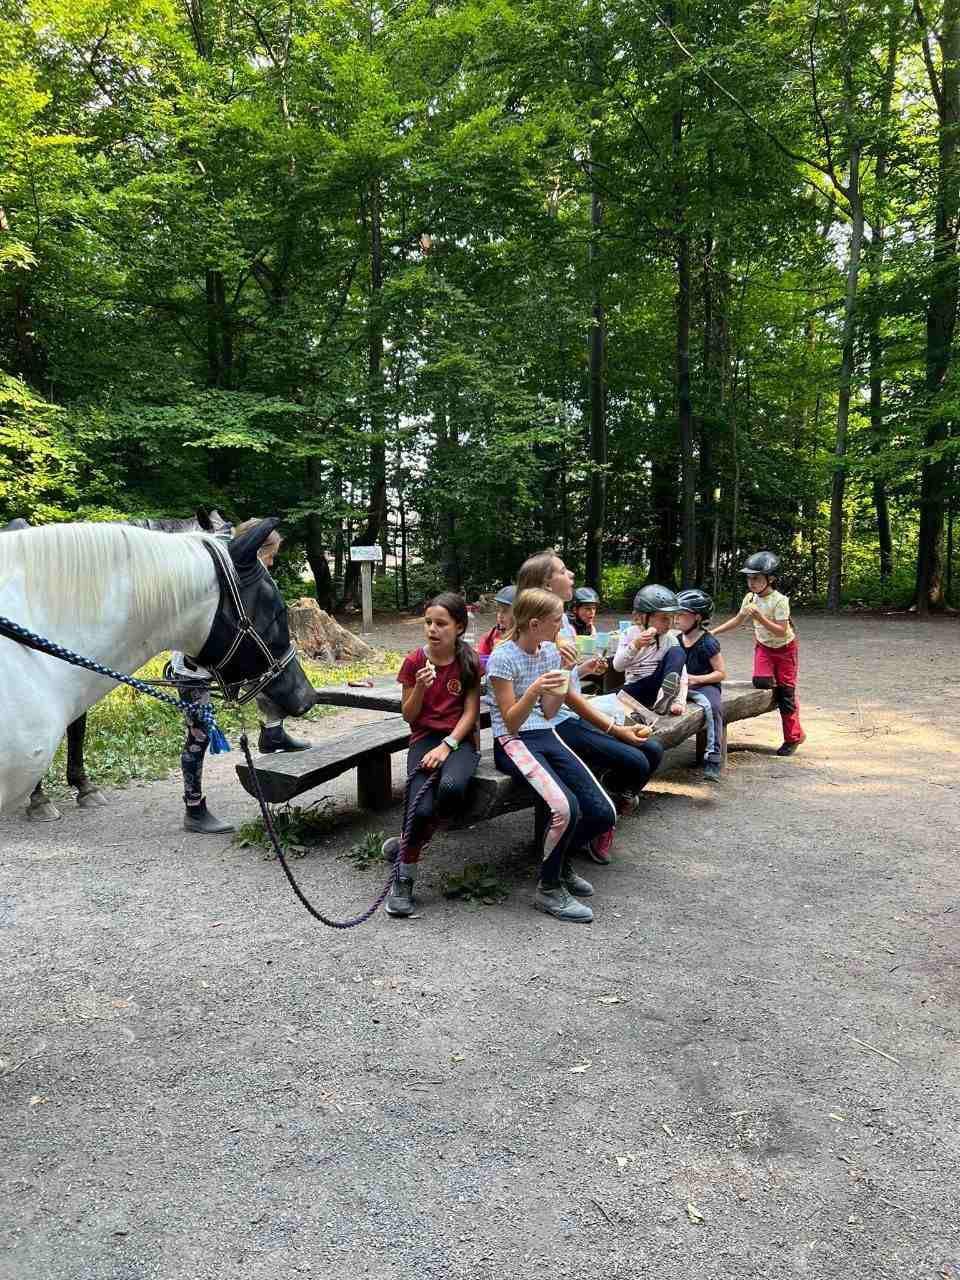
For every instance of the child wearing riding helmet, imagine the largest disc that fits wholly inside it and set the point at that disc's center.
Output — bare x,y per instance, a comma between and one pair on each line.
583,615
441,703
649,653
775,655
705,671
529,685
503,601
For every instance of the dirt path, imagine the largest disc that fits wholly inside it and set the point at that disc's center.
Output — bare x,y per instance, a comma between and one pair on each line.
198,1082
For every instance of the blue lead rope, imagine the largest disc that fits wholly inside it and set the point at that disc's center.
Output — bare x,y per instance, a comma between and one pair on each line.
200,714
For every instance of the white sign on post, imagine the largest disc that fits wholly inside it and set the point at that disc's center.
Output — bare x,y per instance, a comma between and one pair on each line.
366,557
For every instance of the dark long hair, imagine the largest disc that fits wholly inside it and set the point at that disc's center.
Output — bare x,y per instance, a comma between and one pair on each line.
456,606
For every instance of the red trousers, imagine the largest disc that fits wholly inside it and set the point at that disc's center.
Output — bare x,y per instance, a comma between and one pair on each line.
777,669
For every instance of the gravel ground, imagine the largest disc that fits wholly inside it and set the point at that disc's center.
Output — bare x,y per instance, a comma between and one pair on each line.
747,1066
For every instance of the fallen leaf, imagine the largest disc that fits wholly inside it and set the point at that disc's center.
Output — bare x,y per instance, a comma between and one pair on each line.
611,1000
694,1214
458,1057
580,1069
36,1100
623,1161
835,1116
667,1130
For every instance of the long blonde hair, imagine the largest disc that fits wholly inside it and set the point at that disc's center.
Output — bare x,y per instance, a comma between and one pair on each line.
532,604
537,571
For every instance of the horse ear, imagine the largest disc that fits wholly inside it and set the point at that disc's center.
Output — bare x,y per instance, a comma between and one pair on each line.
243,549
220,525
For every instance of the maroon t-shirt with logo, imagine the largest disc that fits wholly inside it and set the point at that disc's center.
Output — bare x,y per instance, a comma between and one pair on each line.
443,701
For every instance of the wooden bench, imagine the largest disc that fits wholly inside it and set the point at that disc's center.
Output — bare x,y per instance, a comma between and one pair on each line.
369,750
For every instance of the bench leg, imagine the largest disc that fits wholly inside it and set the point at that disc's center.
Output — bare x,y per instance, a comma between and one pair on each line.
701,745
375,781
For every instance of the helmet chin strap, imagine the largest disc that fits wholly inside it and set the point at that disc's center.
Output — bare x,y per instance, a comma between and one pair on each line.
685,631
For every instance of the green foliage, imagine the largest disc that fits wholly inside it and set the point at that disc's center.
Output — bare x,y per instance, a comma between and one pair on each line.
367,851
298,828
267,258
477,883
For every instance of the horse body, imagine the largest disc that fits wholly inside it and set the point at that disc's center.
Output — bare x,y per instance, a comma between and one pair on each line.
118,595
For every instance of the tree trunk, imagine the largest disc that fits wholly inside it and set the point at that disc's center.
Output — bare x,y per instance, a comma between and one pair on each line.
941,310
596,511
688,480
835,581
375,529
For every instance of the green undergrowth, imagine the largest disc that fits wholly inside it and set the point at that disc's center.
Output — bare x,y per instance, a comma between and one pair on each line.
134,738
299,828
479,883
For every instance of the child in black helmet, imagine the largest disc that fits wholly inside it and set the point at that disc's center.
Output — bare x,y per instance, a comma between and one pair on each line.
583,615
503,601
705,671
649,653
775,657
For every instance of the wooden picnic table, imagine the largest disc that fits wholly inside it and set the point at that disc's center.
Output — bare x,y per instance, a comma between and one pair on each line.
369,749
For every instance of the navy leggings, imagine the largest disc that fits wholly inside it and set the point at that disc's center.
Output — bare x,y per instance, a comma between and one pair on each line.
443,799
646,690
576,807
629,768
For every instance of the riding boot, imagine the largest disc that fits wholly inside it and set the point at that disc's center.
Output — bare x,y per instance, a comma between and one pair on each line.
198,818
274,737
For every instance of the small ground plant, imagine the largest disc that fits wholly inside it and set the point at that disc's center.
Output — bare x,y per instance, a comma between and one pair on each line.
479,883
299,827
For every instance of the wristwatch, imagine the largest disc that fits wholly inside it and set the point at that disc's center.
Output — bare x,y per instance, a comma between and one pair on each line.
451,742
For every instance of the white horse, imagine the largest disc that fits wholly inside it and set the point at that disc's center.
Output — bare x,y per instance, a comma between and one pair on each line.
119,596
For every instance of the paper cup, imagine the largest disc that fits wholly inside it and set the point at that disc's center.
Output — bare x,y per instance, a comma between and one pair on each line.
564,688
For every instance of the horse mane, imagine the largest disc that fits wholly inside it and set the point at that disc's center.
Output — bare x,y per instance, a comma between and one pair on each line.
69,569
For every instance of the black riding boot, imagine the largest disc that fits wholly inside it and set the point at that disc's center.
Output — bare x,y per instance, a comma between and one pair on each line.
198,818
274,737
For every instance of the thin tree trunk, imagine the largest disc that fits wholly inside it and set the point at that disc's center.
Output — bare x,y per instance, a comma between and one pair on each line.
688,481
941,305
835,581
596,511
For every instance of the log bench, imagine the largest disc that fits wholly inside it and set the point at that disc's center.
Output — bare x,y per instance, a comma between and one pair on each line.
368,749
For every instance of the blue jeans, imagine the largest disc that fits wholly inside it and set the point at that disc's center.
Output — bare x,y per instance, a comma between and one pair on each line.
646,690
630,768
709,698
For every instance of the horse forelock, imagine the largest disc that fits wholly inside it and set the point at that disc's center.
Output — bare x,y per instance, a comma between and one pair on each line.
70,569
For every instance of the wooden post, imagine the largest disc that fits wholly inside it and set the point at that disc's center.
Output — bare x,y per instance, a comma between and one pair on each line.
368,556
366,596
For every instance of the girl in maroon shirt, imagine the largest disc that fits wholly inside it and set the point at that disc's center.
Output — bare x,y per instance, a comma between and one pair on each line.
441,704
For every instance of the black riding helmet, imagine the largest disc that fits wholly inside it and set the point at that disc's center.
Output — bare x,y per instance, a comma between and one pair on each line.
693,600
655,599
585,595
764,562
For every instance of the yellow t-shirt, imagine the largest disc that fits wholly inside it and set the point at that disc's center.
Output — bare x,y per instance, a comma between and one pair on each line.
773,605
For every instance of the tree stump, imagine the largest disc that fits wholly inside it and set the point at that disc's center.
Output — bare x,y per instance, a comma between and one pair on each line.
319,636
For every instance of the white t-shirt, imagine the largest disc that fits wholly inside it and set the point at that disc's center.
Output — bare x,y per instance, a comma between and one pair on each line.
773,605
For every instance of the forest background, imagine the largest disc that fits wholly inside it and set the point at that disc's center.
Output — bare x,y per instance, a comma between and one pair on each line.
657,282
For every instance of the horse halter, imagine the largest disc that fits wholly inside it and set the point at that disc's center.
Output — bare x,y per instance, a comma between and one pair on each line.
239,629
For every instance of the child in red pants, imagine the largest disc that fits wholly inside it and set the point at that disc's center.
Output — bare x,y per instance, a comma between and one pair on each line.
775,658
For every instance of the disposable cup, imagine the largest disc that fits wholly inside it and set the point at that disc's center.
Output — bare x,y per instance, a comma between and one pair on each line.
602,639
565,686
623,626
586,645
